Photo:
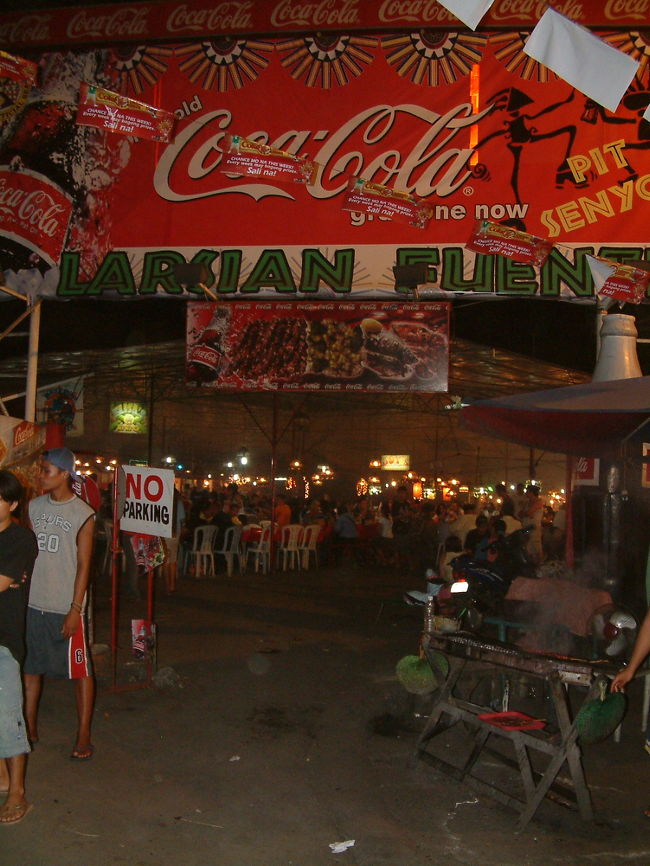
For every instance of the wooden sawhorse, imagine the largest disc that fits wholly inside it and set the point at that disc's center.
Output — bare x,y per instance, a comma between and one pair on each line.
559,748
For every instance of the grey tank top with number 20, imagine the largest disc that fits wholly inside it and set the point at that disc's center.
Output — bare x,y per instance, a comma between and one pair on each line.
56,525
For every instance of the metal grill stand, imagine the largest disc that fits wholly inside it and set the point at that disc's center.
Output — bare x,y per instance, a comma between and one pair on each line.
558,748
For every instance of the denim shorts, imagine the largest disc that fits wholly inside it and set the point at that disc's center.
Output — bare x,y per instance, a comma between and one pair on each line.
13,733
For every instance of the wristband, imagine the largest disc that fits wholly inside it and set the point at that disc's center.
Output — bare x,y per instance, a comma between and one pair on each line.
76,605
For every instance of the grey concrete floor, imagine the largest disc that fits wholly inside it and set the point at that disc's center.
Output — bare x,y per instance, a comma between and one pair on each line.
267,750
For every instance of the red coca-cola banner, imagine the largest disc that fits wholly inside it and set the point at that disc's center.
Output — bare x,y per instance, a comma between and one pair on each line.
201,19
464,122
318,347
364,196
255,159
34,211
116,113
17,68
493,239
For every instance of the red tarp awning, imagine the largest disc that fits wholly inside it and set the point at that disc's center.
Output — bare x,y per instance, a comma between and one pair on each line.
588,420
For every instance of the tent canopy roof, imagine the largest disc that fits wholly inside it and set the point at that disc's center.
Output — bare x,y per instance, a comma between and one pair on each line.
592,419
476,372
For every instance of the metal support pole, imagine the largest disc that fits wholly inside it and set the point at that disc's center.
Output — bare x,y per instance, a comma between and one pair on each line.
115,554
568,528
274,462
32,362
151,659
150,420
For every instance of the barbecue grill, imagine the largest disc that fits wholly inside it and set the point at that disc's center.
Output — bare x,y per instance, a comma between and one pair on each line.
554,749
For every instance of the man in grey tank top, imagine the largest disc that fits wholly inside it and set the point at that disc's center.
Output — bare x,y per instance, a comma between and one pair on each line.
56,628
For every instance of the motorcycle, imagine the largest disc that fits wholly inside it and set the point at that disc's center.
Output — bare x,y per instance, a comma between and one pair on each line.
478,589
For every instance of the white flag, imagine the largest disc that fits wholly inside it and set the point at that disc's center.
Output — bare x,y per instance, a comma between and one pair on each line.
600,271
469,12
600,71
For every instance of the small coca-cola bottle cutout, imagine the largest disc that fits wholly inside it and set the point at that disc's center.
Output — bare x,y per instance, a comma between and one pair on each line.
206,357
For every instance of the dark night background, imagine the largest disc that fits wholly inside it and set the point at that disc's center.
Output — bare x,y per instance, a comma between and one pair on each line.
559,332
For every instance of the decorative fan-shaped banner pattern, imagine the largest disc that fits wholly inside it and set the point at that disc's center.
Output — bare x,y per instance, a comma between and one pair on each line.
139,67
223,64
508,49
326,61
434,57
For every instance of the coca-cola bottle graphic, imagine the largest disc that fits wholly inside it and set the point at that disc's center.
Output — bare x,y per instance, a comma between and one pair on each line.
205,359
36,184
53,173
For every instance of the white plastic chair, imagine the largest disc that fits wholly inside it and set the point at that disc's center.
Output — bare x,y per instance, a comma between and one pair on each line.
231,548
289,548
261,552
202,553
308,545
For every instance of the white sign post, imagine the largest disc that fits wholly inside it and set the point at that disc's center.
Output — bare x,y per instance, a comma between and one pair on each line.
148,501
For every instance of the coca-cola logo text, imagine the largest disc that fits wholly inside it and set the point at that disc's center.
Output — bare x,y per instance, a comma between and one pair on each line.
587,469
413,10
23,432
30,28
296,13
436,165
123,22
637,9
532,10
34,210
223,16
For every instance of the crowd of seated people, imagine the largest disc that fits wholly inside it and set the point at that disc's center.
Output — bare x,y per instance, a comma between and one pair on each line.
413,537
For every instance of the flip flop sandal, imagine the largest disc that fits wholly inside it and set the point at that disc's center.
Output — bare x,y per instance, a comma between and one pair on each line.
21,810
79,753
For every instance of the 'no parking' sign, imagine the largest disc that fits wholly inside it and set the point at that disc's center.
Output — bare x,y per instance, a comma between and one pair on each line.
148,500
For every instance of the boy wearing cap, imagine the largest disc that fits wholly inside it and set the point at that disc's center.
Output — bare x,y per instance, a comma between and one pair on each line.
17,555
56,630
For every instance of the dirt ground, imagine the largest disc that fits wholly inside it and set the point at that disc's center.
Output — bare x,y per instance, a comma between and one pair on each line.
281,731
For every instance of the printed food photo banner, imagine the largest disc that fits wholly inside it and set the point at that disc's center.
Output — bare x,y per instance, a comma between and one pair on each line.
430,132
318,347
